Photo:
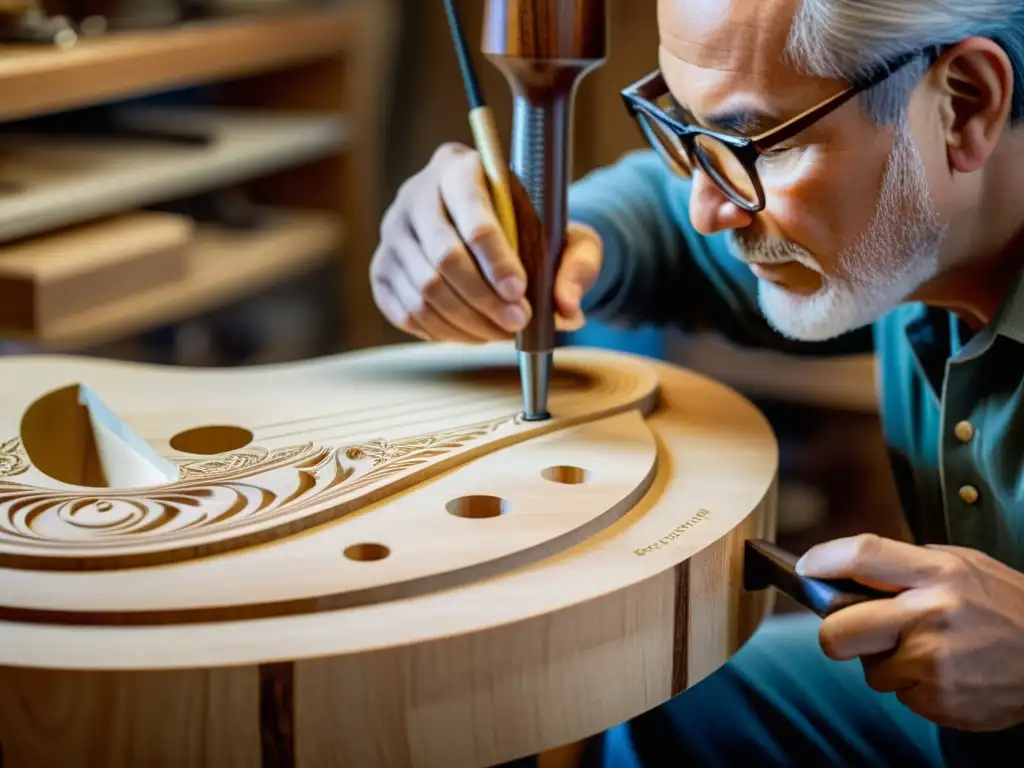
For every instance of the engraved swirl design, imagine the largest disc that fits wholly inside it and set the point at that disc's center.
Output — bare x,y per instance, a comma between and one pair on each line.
13,461
222,494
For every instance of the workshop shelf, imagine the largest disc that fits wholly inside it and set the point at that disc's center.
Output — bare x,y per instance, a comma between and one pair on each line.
223,265
56,181
296,104
37,80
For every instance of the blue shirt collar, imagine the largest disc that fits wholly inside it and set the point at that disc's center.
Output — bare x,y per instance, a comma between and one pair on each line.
1010,320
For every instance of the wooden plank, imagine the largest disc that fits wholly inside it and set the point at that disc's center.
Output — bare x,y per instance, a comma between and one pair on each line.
223,266
58,181
61,274
37,80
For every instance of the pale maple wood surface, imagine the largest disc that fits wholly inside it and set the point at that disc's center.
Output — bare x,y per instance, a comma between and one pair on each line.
471,641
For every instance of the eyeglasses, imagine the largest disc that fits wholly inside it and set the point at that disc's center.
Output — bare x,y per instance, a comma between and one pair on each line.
729,159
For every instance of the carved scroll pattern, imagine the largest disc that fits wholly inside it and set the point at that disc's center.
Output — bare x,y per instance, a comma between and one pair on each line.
213,495
13,460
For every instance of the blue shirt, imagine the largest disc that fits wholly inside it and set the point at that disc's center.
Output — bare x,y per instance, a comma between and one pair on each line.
950,401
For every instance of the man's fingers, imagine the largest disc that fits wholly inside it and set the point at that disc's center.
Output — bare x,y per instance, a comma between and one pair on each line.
580,266
466,197
863,629
418,313
879,562
438,295
385,298
889,673
914,663
449,257
570,325
875,627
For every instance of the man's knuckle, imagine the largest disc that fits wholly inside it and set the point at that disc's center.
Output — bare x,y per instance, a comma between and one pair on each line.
433,288
399,316
464,158
953,569
865,548
482,236
457,177
448,151
418,310
406,190
949,603
449,258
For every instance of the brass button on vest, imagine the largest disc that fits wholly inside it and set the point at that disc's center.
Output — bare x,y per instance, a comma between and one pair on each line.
964,431
969,494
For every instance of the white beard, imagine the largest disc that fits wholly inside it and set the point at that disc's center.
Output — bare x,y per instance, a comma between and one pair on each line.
897,254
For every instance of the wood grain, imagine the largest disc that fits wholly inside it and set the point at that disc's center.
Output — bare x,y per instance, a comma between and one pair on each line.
38,79
570,30
49,278
507,664
222,265
541,255
405,545
317,451
277,714
59,182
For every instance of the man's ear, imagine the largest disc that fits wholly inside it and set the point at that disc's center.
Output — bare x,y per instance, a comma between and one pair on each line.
975,85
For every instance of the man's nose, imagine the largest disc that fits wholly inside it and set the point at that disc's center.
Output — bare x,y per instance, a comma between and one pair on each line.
711,211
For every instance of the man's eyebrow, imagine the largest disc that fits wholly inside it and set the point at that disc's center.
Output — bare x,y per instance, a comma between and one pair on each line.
746,122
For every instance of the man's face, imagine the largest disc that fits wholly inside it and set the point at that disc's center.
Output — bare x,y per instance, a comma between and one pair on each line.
848,231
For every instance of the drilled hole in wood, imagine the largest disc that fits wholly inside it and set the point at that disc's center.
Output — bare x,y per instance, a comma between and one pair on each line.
206,441
478,507
367,552
566,475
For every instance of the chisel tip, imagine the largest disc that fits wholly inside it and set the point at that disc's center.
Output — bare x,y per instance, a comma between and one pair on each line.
535,372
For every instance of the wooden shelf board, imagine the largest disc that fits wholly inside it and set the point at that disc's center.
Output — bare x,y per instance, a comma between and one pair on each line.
223,266
37,80
60,182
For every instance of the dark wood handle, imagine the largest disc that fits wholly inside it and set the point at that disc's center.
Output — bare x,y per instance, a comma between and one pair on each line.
767,565
541,266
556,30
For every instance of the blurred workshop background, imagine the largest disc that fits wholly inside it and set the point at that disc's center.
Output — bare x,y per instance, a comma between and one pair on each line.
200,182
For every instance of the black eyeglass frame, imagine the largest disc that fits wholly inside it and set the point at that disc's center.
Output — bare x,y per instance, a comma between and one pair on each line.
641,97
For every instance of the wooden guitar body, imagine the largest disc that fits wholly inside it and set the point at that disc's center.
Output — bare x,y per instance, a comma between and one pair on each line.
365,560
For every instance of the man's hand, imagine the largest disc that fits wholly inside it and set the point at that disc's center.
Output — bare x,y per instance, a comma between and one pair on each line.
444,271
949,643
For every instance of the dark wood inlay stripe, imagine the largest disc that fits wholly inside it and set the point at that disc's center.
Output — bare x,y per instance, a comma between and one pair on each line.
682,624
277,715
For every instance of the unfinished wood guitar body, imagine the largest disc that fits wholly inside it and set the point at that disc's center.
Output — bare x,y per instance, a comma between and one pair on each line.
365,560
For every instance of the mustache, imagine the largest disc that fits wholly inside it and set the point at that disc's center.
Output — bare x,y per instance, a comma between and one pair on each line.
768,250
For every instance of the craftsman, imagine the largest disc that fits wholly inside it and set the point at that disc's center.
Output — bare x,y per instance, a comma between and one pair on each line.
891,222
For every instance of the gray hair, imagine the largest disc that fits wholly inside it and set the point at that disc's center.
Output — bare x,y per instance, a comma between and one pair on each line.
848,38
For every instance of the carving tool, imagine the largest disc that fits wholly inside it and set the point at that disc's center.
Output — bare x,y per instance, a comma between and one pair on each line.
485,134
768,565
544,49
502,188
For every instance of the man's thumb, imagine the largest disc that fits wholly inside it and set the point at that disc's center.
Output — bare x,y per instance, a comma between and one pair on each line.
581,264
